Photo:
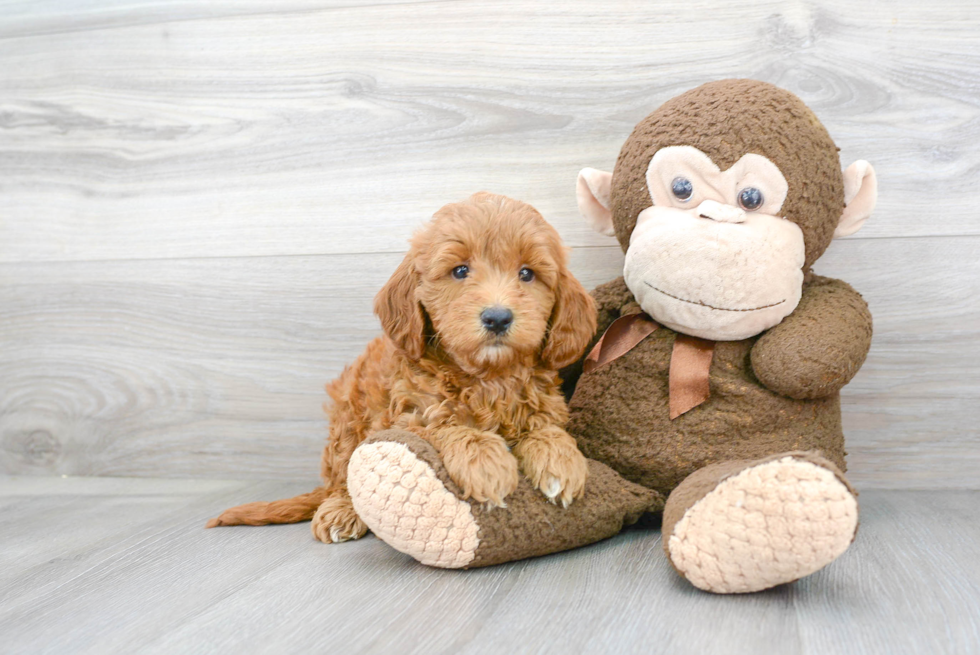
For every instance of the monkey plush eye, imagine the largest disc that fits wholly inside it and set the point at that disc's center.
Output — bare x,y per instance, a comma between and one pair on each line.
682,188
461,272
750,198
526,274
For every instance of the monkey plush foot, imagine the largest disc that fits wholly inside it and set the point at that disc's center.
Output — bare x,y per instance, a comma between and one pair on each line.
739,527
402,491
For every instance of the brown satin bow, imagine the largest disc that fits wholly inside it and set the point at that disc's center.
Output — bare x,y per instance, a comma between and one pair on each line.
690,360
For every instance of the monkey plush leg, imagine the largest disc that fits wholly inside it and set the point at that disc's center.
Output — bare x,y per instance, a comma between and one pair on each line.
743,526
403,493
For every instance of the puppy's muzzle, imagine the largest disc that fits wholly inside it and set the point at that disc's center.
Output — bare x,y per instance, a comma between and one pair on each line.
496,319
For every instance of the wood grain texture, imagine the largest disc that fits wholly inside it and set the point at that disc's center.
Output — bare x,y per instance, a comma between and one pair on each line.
198,201
178,129
127,567
215,367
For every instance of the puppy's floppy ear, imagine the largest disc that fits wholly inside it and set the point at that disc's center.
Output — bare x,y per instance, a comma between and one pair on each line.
401,314
573,323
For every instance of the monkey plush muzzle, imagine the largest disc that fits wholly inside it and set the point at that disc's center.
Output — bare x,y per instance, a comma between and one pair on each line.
716,279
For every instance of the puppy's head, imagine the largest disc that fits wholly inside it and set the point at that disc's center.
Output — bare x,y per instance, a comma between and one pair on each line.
487,281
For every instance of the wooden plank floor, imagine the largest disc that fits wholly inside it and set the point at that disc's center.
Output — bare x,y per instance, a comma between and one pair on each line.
109,565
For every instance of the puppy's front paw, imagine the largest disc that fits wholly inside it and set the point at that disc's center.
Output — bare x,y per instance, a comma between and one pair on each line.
553,463
482,467
335,521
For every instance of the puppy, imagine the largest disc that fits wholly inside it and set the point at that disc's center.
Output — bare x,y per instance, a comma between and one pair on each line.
477,319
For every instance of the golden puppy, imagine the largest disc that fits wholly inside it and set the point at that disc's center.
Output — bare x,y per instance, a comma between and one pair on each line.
477,320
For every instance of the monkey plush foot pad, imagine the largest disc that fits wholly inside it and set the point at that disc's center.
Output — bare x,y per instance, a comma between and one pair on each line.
769,524
403,493
402,499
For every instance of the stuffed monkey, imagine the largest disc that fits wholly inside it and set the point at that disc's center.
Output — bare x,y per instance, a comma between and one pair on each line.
713,380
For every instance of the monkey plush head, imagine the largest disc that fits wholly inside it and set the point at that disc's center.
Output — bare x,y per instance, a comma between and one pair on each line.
722,200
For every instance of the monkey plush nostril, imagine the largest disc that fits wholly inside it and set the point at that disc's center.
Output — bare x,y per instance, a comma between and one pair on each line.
496,319
719,212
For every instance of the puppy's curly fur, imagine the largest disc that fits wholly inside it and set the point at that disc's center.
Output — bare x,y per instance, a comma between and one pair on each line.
483,393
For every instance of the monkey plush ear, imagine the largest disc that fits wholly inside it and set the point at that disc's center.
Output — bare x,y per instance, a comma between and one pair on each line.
592,191
860,196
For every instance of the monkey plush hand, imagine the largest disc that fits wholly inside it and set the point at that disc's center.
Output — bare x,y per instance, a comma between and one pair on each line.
713,380
716,381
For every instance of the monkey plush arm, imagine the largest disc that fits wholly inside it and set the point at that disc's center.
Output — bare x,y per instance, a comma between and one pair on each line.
611,299
818,348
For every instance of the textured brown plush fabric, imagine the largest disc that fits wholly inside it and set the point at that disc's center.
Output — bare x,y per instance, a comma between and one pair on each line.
726,120
530,526
620,413
771,395
818,348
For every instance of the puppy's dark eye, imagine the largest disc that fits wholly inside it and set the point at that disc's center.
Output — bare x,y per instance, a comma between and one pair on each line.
526,274
682,188
461,272
750,198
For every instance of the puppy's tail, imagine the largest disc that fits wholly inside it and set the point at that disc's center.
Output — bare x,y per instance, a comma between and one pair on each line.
288,510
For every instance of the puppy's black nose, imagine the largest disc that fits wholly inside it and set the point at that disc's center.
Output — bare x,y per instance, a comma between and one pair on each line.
497,319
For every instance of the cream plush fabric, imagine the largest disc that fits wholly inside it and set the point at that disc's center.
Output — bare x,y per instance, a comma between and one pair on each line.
407,506
767,525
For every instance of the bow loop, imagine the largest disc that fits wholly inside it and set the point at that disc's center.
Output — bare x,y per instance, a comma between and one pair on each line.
690,360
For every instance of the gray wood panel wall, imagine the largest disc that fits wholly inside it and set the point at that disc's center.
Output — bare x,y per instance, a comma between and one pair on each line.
199,200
